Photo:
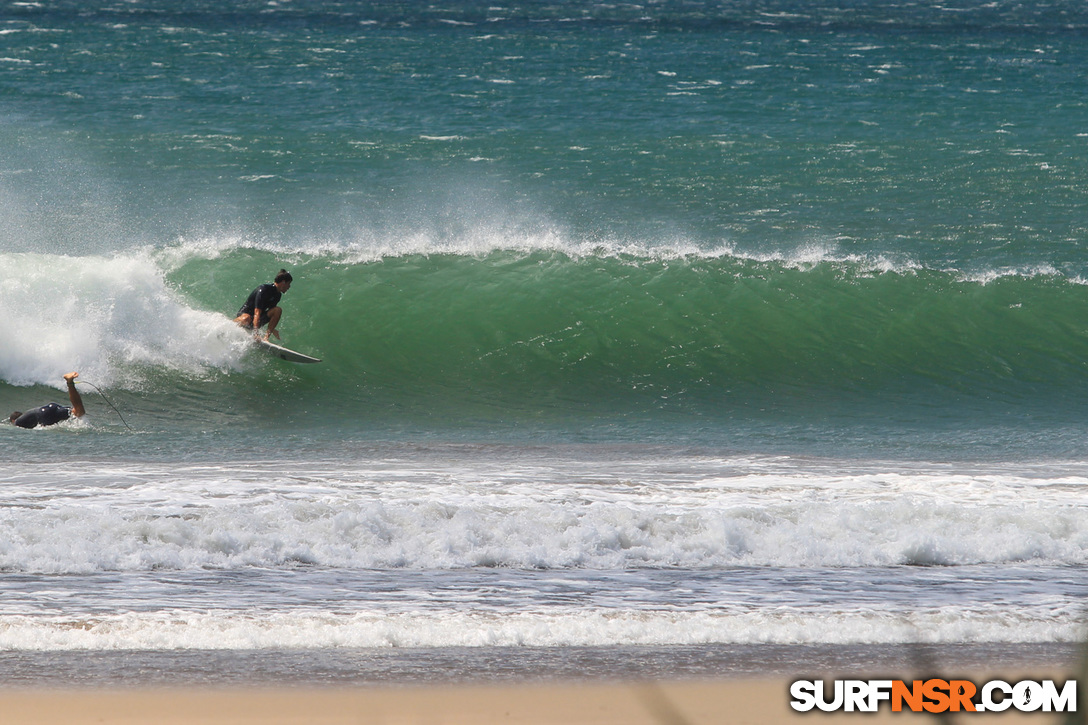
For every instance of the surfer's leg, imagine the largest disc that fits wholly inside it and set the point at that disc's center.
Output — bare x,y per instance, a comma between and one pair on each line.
245,320
73,395
273,320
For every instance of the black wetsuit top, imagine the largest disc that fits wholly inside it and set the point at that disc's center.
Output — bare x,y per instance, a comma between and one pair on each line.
46,415
263,298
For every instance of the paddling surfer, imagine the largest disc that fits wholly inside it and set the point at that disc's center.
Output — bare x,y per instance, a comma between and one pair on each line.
262,306
52,413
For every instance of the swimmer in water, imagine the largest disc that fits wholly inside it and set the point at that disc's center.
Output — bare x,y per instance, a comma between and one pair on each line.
52,413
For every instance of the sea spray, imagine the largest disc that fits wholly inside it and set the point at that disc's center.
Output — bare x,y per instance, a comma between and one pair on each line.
106,316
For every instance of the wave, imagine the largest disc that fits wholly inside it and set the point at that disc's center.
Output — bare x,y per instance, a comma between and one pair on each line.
403,513
672,324
218,630
547,325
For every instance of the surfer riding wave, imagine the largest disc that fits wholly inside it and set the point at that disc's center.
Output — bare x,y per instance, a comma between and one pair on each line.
262,306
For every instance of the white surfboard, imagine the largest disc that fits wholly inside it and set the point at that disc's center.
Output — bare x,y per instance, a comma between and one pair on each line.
285,354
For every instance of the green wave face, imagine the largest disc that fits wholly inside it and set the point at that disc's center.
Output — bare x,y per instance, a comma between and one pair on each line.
701,333
548,337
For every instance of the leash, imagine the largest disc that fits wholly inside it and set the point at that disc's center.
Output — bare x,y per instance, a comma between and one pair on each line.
84,382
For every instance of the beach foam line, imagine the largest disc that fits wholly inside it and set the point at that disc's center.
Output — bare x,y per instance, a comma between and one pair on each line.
182,630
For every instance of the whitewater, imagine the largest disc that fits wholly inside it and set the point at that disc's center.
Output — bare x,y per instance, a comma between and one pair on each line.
497,546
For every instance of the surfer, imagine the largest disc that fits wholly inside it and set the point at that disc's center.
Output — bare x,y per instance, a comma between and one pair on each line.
52,413
262,305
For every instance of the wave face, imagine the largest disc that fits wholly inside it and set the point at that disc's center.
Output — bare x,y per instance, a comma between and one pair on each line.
553,331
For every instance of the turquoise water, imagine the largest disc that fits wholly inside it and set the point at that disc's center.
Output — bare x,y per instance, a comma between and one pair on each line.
747,292
555,210
945,134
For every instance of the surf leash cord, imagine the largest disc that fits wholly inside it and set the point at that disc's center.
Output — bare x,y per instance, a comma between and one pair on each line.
115,410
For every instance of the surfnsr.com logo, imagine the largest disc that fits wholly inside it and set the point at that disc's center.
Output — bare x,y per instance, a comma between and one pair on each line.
934,695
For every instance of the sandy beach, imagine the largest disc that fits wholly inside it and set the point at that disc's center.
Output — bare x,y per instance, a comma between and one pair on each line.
688,703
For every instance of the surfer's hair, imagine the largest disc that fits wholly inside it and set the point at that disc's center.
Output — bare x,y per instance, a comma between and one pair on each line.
14,416
284,276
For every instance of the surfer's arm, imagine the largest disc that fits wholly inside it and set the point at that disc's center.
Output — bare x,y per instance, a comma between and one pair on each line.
73,395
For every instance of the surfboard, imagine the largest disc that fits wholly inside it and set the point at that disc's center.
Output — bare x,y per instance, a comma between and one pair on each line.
283,353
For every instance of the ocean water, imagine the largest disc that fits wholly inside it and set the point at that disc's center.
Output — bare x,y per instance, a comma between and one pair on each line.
669,339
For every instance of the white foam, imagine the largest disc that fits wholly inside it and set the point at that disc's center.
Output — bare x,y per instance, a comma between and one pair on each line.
482,239
250,630
399,514
498,233
770,550
101,315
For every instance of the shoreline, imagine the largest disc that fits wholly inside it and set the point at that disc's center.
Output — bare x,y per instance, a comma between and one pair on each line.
457,666
499,685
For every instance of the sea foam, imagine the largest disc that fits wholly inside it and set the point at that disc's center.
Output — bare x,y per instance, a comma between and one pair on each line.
251,630
101,315
401,515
